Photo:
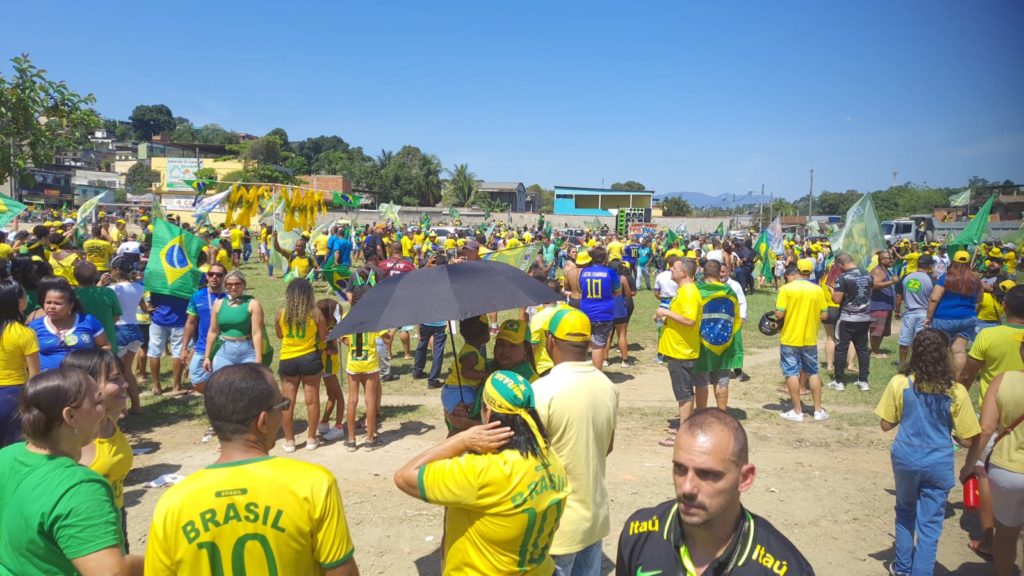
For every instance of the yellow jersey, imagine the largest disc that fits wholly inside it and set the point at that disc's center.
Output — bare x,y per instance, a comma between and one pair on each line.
502,511
991,310
469,353
407,247
236,236
803,301
260,516
678,341
615,250
298,340
301,265
320,245
98,251
418,239
224,259
362,353
17,343
539,335
113,461
66,267
998,350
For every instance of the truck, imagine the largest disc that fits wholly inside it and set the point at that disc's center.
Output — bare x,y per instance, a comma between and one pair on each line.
906,228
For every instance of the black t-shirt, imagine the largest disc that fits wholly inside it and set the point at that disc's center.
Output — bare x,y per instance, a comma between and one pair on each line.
651,543
855,284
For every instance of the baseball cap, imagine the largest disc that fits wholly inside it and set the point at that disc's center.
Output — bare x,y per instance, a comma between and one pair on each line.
569,324
925,261
805,265
512,331
143,218
583,258
69,221
121,221
962,256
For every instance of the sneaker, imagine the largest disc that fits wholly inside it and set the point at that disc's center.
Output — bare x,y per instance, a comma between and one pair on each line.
863,386
893,572
624,365
350,445
837,385
389,378
820,415
419,375
372,445
793,416
605,363
289,447
322,428
312,444
744,377
208,435
659,360
333,435
434,384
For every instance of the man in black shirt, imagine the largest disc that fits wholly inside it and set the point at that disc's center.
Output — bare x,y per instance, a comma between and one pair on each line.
705,530
852,292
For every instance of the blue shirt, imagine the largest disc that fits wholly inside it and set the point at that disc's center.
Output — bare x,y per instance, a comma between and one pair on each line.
53,348
598,284
170,311
343,245
955,306
644,255
631,254
200,306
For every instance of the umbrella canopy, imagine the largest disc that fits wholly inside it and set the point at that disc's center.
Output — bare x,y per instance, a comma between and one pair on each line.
440,293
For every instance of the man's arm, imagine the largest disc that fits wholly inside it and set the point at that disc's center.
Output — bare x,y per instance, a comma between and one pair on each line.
970,372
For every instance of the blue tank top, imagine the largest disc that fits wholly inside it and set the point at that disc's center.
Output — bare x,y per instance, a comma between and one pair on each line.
597,284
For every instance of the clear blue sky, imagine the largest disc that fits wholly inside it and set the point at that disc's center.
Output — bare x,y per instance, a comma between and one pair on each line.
714,97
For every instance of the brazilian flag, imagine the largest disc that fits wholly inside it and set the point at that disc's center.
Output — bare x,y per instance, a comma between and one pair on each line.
172,264
9,209
721,346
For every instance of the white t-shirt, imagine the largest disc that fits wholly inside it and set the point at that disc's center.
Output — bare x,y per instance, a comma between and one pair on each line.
717,256
741,298
128,294
665,286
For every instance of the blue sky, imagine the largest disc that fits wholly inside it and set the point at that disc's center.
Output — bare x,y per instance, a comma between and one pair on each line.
713,97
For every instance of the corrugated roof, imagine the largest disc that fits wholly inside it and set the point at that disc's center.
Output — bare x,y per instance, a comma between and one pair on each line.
499,185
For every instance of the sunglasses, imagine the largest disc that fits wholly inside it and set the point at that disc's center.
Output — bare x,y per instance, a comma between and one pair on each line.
234,284
215,274
282,405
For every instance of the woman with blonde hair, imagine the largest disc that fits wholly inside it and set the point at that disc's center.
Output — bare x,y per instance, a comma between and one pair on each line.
301,327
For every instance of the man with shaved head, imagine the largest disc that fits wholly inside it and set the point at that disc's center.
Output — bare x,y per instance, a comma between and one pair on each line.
705,529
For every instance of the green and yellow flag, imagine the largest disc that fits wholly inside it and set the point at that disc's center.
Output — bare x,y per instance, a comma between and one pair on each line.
765,255
977,228
9,209
862,236
172,264
521,257
720,231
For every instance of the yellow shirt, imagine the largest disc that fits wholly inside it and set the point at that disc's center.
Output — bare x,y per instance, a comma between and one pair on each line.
468,353
320,245
1008,453
539,336
407,245
301,266
116,235
678,341
98,251
803,302
502,511
298,340
16,342
65,267
615,249
998,351
362,353
250,514
224,259
418,239
990,310
449,243
236,236
965,421
113,461
578,406
512,243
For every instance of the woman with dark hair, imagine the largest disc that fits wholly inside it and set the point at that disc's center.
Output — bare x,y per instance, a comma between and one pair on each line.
28,272
927,405
19,358
236,327
512,350
504,490
59,517
623,311
301,328
109,455
64,327
953,306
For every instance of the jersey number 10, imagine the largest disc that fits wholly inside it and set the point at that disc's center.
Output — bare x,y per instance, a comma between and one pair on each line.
594,289
238,567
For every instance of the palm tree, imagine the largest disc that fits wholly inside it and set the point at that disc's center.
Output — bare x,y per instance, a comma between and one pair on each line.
430,179
462,187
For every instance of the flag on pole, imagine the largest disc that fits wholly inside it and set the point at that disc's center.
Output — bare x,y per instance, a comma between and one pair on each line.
765,255
521,257
172,265
977,228
85,212
425,222
208,204
453,213
389,212
157,211
775,236
9,209
862,236
961,199
720,231
345,200
671,237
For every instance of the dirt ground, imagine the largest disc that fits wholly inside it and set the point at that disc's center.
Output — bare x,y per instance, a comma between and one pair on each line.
828,486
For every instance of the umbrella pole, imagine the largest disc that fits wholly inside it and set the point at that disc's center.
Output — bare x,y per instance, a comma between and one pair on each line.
455,360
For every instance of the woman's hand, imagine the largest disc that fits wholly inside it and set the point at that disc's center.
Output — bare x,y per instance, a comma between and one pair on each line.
486,438
207,365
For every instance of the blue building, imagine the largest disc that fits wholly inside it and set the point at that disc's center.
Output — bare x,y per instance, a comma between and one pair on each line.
573,201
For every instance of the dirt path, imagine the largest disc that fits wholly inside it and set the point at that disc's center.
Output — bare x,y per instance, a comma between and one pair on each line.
828,486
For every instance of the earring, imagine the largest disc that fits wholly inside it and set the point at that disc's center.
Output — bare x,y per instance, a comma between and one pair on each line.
76,429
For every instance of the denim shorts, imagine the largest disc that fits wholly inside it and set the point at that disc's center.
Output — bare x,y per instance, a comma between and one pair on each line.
912,323
158,337
599,333
680,372
955,328
980,325
797,359
129,337
233,352
196,373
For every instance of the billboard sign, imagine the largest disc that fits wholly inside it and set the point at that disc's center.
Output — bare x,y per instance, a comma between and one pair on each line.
179,170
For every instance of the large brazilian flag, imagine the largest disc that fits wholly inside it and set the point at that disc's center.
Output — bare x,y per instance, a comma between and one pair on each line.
172,262
721,346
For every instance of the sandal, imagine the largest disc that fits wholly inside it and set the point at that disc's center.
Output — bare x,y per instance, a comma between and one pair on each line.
975,546
372,445
669,442
350,445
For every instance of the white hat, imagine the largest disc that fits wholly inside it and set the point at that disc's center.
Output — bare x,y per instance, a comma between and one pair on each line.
69,220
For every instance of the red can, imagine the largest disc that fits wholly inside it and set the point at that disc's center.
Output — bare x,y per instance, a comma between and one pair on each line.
971,493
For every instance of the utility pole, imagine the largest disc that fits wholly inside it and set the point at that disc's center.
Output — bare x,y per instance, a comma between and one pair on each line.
810,199
895,173
760,212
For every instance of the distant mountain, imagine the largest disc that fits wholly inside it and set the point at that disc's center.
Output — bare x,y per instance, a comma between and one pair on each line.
701,201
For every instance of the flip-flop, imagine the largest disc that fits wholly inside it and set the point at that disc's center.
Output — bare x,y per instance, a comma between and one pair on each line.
669,442
180,393
975,546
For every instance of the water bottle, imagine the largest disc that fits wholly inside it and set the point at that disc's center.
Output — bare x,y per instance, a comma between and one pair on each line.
971,493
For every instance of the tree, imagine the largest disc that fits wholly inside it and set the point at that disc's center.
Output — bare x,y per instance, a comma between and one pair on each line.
312,148
675,206
630,185
206,174
547,197
140,178
37,117
184,131
462,188
214,134
280,134
148,121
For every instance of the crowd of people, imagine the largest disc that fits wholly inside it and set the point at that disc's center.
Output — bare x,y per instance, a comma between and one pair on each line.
531,421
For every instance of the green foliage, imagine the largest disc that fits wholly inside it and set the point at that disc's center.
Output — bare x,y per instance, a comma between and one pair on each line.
140,178
462,188
40,116
630,185
493,206
206,174
408,174
214,134
675,206
547,197
184,131
148,121
280,134
263,173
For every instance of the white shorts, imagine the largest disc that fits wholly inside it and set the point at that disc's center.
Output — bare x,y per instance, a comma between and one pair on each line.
158,337
1007,496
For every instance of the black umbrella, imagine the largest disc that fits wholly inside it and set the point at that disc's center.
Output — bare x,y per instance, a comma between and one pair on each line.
441,293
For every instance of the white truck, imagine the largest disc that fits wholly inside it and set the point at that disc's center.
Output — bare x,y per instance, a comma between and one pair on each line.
907,228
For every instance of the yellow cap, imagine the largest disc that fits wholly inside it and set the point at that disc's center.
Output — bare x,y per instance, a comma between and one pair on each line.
995,253
512,331
1009,255
1006,285
805,265
962,256
120,221
143,218
6,251
569,324
691,254
583,258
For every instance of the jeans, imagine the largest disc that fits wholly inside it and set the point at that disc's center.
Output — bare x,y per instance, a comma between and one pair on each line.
196,373
745,277
420,359
856,332
383,358
234,352
645,275
586,562
921,492
10,420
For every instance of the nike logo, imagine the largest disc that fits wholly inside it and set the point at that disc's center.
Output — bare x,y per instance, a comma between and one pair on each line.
640,572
